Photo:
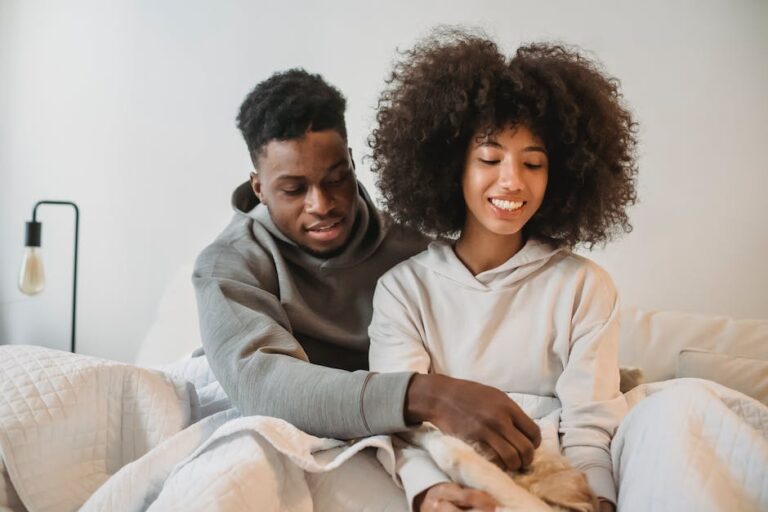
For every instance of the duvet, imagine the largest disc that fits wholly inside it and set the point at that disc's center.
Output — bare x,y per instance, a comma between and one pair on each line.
83,433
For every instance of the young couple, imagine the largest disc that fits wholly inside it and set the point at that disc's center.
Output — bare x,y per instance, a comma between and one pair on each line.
508,163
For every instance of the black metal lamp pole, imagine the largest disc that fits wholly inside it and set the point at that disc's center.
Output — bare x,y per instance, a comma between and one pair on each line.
33,239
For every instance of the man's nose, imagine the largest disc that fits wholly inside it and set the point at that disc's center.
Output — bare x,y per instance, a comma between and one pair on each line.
318,201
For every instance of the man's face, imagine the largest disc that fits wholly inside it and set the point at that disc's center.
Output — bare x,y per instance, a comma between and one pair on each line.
309,186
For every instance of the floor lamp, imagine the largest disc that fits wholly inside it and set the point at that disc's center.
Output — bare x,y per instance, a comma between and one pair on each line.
32,276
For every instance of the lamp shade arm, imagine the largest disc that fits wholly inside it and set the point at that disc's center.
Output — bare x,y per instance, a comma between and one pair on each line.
74,272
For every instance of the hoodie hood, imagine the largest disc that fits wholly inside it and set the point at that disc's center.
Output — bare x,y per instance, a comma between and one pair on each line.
369,229
441,259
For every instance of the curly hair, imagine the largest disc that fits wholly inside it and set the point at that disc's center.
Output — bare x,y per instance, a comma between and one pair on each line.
286,105
454,85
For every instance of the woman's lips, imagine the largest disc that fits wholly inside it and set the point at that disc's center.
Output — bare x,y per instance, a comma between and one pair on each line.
506,208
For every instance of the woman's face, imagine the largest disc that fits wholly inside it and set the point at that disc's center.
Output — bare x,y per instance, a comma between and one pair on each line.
504,181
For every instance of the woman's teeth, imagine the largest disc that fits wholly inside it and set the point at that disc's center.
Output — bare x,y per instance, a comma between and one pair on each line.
506,205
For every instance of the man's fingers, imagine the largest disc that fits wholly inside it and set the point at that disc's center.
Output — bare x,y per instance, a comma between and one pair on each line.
522,444
527,426
508,453
489,453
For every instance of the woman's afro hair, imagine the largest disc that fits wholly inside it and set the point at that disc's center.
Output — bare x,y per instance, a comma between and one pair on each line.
454,86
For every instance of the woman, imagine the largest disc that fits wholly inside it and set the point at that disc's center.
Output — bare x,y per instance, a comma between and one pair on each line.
523,159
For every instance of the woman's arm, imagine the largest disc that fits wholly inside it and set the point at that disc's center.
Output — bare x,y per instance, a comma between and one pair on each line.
588,388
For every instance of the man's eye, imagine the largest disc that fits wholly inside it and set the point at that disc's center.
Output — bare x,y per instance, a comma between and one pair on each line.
292,191
339,180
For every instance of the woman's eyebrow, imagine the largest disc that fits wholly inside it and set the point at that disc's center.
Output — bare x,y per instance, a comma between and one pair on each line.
535,148
488,142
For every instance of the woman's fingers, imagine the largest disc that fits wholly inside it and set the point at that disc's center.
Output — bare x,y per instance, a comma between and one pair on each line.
457,497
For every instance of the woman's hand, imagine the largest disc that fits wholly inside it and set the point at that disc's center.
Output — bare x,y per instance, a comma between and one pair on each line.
606,506
450,496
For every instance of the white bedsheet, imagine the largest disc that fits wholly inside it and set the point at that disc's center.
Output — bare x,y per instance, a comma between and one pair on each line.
77,431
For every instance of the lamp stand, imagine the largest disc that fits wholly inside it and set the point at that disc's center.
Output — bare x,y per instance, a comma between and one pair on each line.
74,273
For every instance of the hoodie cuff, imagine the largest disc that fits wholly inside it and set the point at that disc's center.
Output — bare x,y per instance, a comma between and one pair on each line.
601,482
596,465
418,473
383,402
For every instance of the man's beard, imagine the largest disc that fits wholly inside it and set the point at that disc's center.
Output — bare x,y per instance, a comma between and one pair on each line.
331,253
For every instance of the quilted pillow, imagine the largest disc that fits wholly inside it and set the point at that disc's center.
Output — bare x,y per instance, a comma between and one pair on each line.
744,374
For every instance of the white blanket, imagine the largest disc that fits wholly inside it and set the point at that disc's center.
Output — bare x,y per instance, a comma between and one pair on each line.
691,444
82,432
77,431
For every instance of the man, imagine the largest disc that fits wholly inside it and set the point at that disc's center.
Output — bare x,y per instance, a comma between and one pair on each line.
285,292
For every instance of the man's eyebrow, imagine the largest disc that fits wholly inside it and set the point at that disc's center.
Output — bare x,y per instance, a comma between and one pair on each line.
289,177
301,177
338,164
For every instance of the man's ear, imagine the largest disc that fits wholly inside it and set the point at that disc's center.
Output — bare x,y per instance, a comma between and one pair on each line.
351,158
256,186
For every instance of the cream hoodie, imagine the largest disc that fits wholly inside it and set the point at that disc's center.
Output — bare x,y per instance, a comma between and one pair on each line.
545,324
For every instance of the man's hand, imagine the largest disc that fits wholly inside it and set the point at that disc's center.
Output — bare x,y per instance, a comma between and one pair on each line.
451,496
475,413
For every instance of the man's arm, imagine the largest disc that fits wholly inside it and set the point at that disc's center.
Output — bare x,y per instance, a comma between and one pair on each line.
263,368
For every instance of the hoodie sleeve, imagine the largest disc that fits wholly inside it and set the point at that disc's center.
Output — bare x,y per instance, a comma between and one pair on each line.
396,346
588,388
248,340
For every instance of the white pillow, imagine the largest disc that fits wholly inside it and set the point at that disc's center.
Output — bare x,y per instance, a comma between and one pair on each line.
750,376
175,331
652,340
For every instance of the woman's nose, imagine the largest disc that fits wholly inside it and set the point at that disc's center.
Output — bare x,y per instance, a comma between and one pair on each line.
510,176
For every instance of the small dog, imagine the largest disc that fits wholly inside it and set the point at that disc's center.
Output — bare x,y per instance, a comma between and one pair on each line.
549,484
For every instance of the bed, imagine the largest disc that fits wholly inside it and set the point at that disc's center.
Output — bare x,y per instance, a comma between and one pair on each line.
161,435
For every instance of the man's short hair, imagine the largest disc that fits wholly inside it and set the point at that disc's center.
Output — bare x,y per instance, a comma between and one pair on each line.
288,104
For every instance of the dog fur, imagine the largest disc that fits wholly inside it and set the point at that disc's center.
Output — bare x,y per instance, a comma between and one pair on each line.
550,484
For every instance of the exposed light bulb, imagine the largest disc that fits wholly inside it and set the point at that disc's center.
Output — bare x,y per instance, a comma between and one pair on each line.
31,276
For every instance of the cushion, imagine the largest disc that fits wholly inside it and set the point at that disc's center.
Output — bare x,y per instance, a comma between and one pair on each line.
652,340
750,376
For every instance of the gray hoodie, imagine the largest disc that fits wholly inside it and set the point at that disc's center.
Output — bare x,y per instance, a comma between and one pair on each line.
286,332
